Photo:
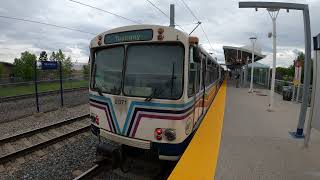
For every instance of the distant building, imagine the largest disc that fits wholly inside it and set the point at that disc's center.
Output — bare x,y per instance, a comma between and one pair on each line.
7,71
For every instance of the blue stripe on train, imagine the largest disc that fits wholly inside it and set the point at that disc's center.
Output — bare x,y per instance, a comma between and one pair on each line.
132,106
108,101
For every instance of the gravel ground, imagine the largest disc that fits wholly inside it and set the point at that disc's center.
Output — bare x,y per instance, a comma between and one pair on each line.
59,164
63,163
35,121
25,107
75,157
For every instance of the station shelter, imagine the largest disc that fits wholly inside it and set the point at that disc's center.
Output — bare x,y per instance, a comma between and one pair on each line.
237,60
261,74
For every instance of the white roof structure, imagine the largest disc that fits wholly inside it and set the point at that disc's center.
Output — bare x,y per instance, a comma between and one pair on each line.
239,56
259,65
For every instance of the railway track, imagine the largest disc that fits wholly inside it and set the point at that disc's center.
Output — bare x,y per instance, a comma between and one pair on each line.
25,96
135,168
89,173
19,145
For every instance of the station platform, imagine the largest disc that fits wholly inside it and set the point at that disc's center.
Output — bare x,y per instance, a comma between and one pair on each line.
240,140
255,143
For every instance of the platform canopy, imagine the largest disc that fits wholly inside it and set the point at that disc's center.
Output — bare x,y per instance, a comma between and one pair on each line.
259,65
236,57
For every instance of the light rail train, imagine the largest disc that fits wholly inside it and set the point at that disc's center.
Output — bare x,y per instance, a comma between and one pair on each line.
150,88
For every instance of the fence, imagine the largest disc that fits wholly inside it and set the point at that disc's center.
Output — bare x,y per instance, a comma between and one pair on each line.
17,98
296,90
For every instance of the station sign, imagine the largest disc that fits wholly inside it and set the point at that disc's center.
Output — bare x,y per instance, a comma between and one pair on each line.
297,72
137,35
316,42
315,113
49,65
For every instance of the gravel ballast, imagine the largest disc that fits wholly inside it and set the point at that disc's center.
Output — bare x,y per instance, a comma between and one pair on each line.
39,120
15,109
61,163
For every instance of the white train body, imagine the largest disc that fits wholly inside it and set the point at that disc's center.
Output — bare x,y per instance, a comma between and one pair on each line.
150,87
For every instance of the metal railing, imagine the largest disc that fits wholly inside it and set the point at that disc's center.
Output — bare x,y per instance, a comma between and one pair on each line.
296,90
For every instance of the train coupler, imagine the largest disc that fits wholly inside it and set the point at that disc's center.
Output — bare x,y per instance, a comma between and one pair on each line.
109,152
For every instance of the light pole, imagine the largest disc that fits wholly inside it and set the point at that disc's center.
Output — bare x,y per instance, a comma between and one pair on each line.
253,40
307,63
273,12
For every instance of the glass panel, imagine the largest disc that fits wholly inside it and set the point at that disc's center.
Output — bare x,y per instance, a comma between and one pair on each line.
154,70
108,72
192,74
197,77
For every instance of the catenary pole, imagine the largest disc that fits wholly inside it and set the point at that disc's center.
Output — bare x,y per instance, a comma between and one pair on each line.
253,40
274,57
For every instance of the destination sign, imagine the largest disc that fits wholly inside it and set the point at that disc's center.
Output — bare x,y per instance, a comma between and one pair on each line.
45,65
137,35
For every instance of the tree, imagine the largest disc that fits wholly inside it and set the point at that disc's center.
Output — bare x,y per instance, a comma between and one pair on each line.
67,66
300,56
43,56
24,66
85,70
60,56
53,56
1,69
66,62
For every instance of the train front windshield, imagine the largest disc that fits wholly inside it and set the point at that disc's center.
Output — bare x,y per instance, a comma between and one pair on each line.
145,70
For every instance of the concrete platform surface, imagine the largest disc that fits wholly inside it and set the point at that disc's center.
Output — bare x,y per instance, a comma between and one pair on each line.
256,145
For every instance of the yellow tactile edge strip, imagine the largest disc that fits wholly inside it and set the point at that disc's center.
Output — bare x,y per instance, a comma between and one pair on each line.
199,160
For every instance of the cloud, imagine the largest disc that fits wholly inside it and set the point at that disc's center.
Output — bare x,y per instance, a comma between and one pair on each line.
223,21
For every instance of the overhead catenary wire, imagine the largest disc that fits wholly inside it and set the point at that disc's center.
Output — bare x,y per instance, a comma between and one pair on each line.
158,8
44,23
99,9
162,12
205,34
189,9
195,17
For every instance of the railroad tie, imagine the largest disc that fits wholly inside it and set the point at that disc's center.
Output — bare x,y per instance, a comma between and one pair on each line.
43,137
57,133
2,169
9,147
39,153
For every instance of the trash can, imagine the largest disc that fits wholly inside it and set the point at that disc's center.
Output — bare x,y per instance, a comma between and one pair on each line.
286,93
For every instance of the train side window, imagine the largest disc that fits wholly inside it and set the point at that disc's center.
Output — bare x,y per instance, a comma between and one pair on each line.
192,73
197,83
203,70
208,72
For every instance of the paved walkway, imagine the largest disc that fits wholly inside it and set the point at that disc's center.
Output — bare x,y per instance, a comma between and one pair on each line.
255,144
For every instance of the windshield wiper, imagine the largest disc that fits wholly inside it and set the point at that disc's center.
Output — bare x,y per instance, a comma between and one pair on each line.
173,77
99,90
155,92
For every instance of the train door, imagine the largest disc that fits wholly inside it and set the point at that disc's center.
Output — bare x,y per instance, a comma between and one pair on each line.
202,84
194,83
197,87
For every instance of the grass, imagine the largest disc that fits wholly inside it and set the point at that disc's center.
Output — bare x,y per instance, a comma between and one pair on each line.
42,87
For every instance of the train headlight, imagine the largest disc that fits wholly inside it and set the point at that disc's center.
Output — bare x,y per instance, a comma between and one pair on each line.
170,134
188,127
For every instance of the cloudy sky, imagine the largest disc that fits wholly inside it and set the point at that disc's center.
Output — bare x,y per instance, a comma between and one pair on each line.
223,21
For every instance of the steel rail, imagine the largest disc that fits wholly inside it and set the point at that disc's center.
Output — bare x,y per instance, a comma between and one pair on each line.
42,129
43,144
25,96
89,173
